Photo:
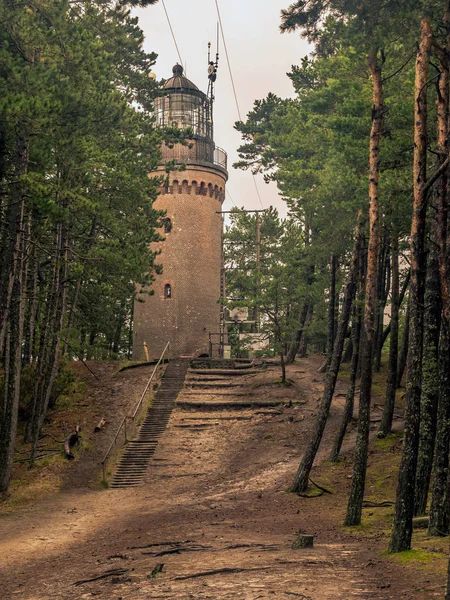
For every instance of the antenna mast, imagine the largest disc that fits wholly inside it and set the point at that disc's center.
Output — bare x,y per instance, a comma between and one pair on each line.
212,76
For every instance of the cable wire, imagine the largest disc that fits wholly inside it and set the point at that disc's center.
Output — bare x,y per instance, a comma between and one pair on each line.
234,89
257,190
231,199
172,32
228,60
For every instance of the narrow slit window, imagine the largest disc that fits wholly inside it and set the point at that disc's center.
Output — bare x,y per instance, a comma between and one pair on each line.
167,291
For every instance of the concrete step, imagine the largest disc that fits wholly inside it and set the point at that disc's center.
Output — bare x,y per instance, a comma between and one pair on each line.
138,453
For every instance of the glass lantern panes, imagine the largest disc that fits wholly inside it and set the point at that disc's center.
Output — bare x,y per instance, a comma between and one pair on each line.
185,110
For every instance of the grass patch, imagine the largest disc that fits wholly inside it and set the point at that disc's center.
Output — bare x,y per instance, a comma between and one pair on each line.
387,443
415,556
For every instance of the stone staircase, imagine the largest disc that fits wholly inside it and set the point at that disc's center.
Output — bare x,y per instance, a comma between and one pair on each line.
136,457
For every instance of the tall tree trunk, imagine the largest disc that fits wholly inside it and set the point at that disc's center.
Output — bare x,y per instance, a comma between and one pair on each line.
430,382
331,310
10,407
130,331
295,345
71,316
350,397
283,368
440,501
91,346
439,513
405,286
303,346
11,317
50,345
354,509
383,277
10,261
302,476
388,412
30,319
404,507
403,356
118,329
348,352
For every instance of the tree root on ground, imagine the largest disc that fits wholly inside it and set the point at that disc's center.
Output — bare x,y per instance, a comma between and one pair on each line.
110,573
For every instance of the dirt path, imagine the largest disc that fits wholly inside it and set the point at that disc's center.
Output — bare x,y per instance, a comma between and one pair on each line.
214,499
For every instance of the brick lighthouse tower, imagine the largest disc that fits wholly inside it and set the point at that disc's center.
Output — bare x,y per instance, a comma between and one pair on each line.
184,308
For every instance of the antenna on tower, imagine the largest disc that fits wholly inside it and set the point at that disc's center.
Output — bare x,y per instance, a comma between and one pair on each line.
212,68
212,76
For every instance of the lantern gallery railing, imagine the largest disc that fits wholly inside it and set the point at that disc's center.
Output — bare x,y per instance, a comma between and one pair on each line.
203,151
220,157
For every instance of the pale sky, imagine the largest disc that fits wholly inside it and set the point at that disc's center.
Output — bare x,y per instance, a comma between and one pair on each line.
260,57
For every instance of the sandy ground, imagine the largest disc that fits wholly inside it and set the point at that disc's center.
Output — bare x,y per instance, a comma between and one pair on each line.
213,510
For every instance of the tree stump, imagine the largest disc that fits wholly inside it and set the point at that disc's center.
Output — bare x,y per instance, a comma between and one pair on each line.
100,425
303,541
70,441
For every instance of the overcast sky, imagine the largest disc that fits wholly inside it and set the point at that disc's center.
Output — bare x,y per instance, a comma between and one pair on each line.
259,55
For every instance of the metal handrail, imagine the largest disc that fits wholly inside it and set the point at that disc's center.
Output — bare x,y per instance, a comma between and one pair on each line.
139,404
123,424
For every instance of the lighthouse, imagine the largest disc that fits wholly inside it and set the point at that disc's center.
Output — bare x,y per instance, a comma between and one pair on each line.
184,309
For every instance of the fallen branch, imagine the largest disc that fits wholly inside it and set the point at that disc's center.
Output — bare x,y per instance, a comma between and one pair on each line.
23,460
110,573
218,572
370,504
178,550
161,544
41,437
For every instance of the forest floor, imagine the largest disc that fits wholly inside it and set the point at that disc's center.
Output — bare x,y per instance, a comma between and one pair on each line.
214,507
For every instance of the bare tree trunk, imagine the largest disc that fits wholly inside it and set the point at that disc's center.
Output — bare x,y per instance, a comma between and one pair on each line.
302,476
303,346
404,507
430,383
382,295
440,501
11,324
49,357
403,357
295,345
388,412
405,286
439,513
331,310
130,330
354,509
283,368
350,397
10,263
71,315
30,320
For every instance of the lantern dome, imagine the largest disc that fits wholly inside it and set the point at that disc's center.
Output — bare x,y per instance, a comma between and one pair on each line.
179,82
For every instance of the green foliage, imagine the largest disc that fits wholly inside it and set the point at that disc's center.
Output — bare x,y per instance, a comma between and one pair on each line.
273,288
75,81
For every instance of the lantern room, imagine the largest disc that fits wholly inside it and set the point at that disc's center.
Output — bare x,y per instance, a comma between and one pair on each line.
184,106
